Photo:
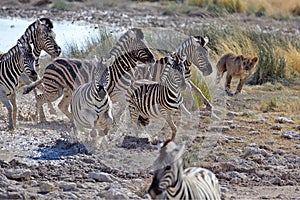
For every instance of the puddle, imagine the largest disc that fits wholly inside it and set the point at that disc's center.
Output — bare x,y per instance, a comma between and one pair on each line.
11,29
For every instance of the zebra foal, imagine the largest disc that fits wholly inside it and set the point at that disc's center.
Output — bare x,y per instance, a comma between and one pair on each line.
91,106
171,181
148,99
12,64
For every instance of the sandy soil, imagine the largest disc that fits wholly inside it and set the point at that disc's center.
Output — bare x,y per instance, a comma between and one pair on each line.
254,151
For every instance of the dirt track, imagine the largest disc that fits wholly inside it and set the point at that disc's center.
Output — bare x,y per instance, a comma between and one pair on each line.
255,155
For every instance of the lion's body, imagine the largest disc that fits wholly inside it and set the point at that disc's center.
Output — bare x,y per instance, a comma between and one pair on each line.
236,66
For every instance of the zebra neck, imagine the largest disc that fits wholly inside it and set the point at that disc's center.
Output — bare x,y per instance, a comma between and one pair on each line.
177,189
187,48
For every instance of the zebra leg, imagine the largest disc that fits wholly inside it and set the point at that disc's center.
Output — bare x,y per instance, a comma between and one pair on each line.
8,105
64,104
172,125
14,108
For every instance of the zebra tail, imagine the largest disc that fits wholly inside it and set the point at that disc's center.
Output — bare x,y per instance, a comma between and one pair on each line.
30,87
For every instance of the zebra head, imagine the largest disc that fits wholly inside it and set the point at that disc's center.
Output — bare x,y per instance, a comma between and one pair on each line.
27,63
168,170
46,37
179,69
101,77
138,47
199,54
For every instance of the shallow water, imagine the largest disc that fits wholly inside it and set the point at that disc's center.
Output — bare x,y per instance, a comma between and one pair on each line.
11,29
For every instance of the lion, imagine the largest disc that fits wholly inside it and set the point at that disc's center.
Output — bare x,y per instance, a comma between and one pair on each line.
236,66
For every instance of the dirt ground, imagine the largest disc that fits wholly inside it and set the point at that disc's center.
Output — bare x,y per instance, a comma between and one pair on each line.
254,146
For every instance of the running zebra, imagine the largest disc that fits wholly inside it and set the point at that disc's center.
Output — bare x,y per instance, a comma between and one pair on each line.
196,53
40,34
64,75
171,181
148,99
91,105
12,64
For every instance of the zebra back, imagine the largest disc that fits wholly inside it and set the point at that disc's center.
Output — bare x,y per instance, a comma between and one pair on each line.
170,181
130,49
41,35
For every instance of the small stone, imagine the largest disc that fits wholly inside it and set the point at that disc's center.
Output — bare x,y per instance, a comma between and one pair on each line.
46,187
18,174
281,196
283,120
67,186
291,135
254,132
101,177
261,120
276,128
298,146
219,128
298,128
270,142
232,114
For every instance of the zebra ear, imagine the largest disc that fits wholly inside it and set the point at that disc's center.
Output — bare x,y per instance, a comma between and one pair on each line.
206,40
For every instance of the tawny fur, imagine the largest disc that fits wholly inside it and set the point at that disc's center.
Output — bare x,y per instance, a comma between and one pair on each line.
238,66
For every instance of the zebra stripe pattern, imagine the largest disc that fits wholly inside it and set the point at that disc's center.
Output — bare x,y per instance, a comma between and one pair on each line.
91,105
42,37
171,181
196,53
12,64
158,99
64,75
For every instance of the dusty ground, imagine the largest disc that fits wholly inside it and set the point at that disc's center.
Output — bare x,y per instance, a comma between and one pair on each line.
254,148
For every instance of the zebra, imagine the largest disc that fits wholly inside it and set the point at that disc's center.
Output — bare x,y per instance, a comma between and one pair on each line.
64,75
91,106
147,99
196,53
171,181
40,34
12,64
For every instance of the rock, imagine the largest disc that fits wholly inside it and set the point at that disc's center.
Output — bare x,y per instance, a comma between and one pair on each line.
46,187
298,146
298,128
270,142
219,128
4,182
101,177
18,174
254,132
260,120
67,186
283,120
276,128
291,135
232,114
113,193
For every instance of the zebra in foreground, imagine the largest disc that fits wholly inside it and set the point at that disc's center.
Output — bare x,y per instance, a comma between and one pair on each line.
91,106
171,181
12,64
64,75
196,53
148,99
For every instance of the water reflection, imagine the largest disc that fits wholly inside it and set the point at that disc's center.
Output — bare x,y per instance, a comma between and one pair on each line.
11,29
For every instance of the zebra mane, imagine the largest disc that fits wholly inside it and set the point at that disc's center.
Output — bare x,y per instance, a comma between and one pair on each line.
128,36
47,22
11,52
168,154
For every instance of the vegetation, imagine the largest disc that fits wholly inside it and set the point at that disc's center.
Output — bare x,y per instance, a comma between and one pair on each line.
279,55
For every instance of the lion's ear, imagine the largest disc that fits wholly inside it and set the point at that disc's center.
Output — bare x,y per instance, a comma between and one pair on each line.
255,59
